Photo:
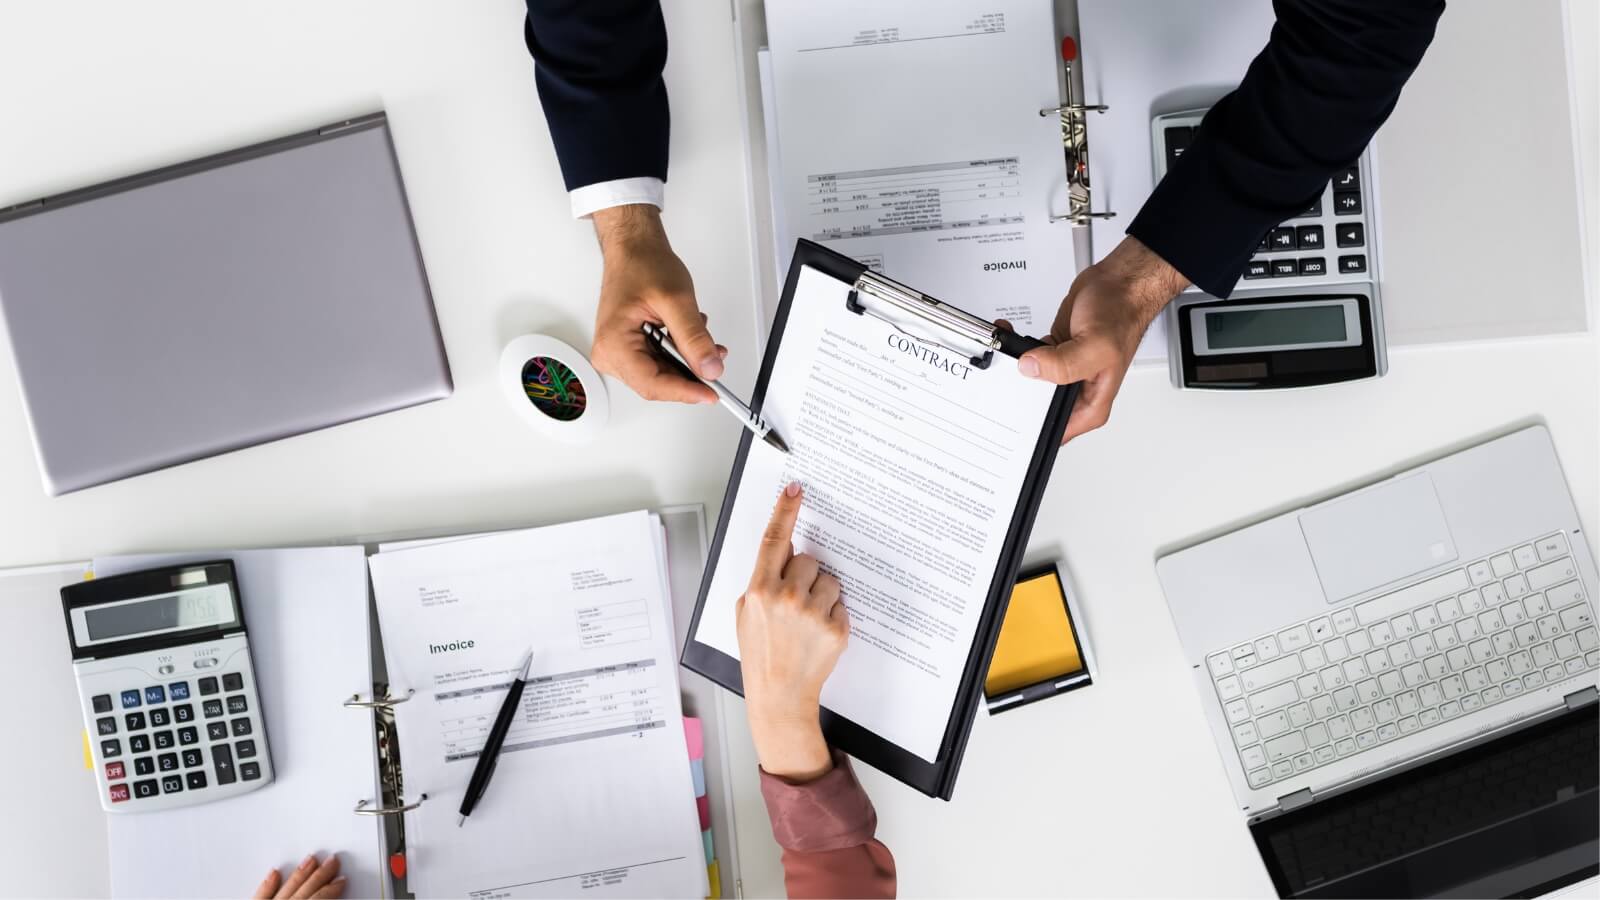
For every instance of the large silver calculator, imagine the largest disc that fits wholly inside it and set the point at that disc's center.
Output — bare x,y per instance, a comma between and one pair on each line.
167,687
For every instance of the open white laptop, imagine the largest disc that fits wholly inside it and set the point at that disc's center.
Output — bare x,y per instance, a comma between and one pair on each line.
1402,680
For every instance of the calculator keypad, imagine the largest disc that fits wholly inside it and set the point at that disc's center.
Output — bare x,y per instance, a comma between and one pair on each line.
1306,234
152,745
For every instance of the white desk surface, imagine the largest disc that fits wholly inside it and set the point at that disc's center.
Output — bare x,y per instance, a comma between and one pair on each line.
1112,790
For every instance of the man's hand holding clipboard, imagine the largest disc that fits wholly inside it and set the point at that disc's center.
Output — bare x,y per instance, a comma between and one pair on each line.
924,451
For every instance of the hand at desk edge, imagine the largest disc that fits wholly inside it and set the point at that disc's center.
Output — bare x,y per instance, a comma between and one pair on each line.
645,281
1098,327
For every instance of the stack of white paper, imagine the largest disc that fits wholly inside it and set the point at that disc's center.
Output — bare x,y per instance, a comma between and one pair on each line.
911,140
593,793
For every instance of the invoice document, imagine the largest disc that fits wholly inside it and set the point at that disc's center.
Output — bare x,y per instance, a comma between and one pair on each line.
593,794
911,140
913,462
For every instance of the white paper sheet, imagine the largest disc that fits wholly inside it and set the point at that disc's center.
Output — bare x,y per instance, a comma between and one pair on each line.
913,464
593,793
912,141
306,616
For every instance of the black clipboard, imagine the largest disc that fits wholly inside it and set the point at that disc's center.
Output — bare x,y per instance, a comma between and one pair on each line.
938,778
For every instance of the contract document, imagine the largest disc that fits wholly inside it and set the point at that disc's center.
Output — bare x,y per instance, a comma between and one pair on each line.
920,469
593,794
911,140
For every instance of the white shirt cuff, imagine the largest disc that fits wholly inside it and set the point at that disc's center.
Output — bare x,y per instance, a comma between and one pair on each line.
592,198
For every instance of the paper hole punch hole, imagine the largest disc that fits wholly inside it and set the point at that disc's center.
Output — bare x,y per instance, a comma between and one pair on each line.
553,388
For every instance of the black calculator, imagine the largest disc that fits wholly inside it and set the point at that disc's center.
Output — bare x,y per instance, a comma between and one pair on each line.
167,687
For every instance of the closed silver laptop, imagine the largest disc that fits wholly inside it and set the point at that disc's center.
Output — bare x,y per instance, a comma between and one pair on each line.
216,304
1401,681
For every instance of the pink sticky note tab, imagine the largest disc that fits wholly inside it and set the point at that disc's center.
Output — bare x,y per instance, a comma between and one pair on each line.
703,804
695,733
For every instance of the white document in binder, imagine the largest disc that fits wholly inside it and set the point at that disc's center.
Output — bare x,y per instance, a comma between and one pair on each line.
911,140
593,793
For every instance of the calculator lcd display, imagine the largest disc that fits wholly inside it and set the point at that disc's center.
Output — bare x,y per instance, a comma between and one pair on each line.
1283,326
179,611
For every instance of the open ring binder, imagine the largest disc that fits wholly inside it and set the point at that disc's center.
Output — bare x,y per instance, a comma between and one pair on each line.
364,807
1075,144
384,702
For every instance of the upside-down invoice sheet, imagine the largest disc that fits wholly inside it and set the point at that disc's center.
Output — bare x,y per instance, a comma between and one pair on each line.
593,794
913,462
908,136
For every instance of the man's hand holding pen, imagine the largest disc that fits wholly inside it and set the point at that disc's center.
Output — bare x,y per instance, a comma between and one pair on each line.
645,281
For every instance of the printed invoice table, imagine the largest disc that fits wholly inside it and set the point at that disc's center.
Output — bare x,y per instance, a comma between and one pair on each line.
459,89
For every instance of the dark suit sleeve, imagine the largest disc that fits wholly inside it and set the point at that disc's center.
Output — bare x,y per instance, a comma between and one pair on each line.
1309,103
597,64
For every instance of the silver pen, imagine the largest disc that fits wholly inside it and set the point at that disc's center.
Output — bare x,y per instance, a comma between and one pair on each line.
658,337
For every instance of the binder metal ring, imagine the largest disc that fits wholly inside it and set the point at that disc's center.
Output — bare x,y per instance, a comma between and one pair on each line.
1074,109
1083,218
384,702
363,807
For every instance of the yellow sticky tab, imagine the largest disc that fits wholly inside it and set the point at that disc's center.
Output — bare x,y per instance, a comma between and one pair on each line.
88,755
1036,641
716,880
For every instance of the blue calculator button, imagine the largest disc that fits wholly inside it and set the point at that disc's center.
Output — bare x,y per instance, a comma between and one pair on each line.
179,690
155,694
130,699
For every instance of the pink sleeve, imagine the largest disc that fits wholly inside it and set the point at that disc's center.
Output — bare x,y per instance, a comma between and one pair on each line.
825,828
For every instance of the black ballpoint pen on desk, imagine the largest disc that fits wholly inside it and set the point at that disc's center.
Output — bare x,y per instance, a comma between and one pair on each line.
658,338
489,756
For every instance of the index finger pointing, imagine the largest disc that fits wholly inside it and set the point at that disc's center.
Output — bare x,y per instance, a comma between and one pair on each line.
777,541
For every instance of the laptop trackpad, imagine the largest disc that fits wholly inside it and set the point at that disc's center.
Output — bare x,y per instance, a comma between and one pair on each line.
1377,536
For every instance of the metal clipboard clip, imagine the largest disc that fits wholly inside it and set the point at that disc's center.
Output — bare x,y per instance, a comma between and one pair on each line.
970,328
1074,118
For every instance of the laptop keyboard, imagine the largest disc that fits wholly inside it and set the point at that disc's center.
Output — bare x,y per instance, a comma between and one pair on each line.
1336,685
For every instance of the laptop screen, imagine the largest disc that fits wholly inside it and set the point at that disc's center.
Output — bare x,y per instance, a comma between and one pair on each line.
1514,817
